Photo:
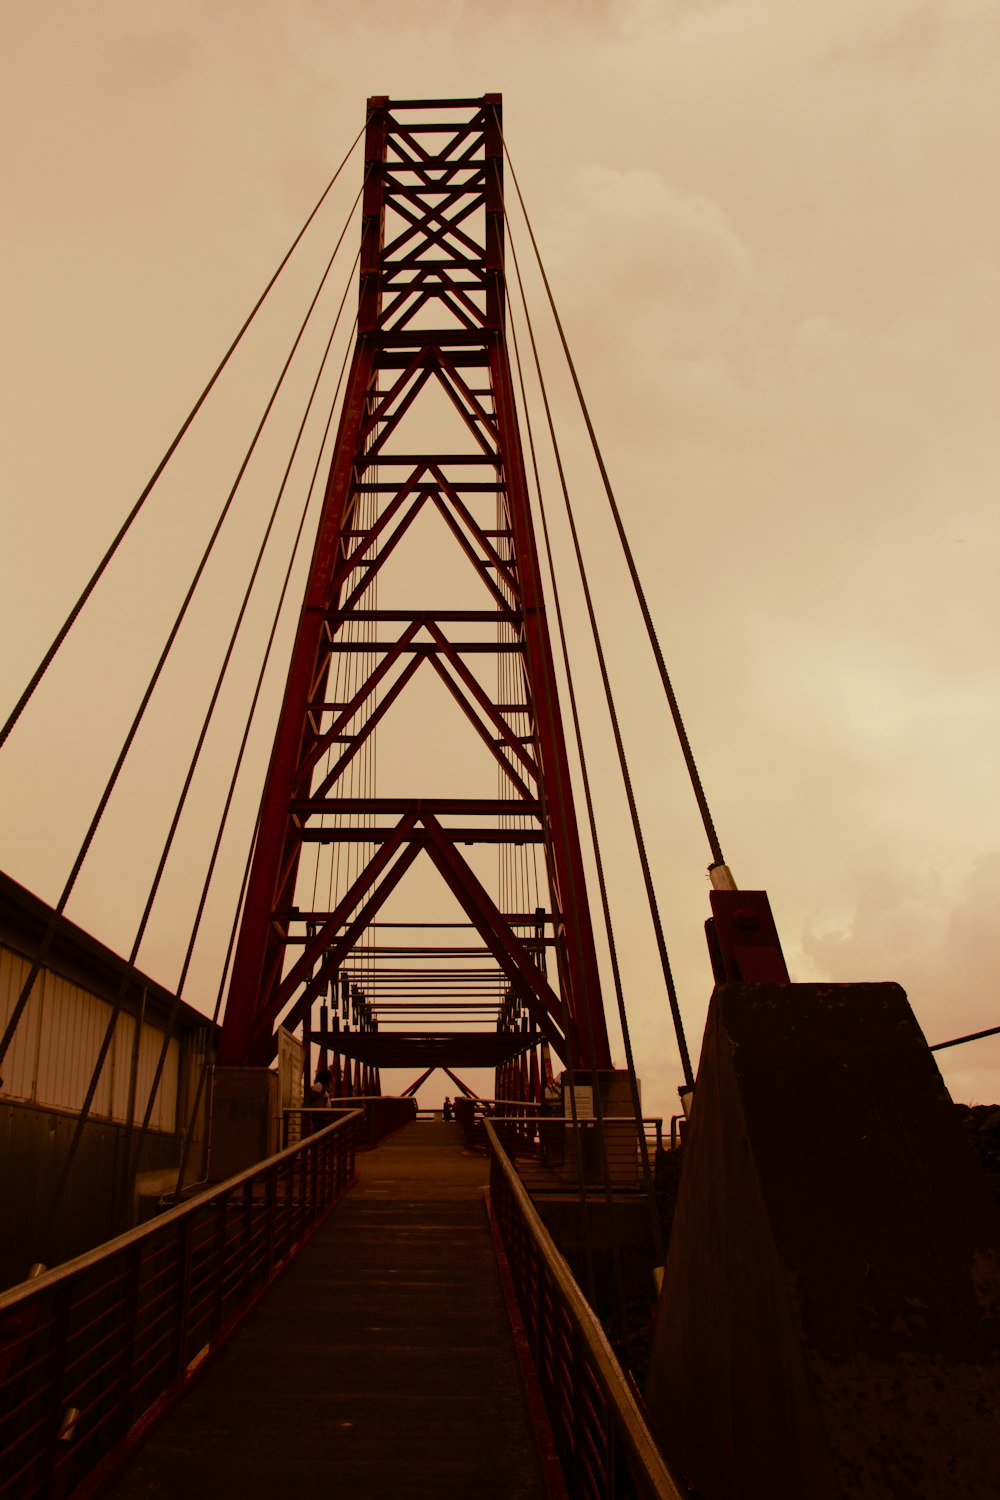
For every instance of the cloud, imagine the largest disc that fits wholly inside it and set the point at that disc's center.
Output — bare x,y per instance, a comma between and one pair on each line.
935,935
633,247
905,40
134,64
656,284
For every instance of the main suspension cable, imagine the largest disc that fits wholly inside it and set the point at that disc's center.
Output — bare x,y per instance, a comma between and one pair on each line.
196,754
71,618
175,1007
238,910
58,910
640,842
647,1174
640,593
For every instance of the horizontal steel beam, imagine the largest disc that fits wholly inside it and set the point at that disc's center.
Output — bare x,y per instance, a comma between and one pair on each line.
499,807
431,648
462,1049
438,616
378,835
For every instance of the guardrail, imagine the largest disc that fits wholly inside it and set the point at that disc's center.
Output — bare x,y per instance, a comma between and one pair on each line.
378,1116
559,1141
605,1447
94,1351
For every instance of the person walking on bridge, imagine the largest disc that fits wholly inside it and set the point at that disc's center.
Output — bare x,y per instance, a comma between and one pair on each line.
317,1097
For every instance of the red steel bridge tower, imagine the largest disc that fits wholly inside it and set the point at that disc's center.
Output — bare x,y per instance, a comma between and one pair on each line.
430,346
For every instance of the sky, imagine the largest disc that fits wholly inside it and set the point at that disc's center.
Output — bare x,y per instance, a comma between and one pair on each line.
772,232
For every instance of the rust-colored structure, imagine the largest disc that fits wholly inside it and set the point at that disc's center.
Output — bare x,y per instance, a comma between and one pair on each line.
431,335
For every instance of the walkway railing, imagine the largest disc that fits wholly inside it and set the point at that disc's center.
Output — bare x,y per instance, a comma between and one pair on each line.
604,1444
379,1115
92,1352
558,1141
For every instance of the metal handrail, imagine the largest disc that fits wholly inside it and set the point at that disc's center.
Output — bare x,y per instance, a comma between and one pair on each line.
94,1351
573,1358
620,1141
379,1115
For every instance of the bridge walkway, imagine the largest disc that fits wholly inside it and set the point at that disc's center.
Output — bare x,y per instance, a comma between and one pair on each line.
380,1364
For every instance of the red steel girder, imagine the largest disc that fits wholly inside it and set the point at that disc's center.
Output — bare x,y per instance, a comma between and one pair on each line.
440,182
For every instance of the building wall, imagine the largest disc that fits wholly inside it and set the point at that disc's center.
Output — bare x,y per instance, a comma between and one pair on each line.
58,1041
33,1147
46,1075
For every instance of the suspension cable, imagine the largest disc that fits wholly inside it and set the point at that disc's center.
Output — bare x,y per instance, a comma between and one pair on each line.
598,1105
129,970
57,912
647,1174
640,842
168,1033
685,744
237,912
71,618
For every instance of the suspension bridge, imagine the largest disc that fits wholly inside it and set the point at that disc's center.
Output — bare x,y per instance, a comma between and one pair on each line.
235,1279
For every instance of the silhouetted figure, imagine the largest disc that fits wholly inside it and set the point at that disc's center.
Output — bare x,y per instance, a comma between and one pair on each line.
317,1097
447,1113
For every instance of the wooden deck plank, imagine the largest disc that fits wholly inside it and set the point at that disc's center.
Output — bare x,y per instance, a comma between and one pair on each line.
380,1364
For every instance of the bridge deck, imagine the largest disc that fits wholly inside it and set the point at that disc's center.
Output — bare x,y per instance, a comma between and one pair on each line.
380,1364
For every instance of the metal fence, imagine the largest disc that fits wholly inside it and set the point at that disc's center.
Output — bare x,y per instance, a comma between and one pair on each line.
600,1432
378,1116
602,1150
92,1352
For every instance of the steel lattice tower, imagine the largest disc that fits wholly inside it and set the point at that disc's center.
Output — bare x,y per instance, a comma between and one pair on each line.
431,319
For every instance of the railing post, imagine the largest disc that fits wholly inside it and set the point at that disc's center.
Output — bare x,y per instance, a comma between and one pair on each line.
248,1217
184,1234
131,1318
138,1304
270,1214
221,1226
56,1380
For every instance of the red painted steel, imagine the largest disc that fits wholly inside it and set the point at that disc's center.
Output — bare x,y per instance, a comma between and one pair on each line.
95,1351
431,329
743,941
598,1421
378,1117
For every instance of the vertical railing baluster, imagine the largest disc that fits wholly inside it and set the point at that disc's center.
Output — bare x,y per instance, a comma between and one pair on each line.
165,1284
130,1320
221,1240
185,1228
270,1214
61,1394
248,1197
